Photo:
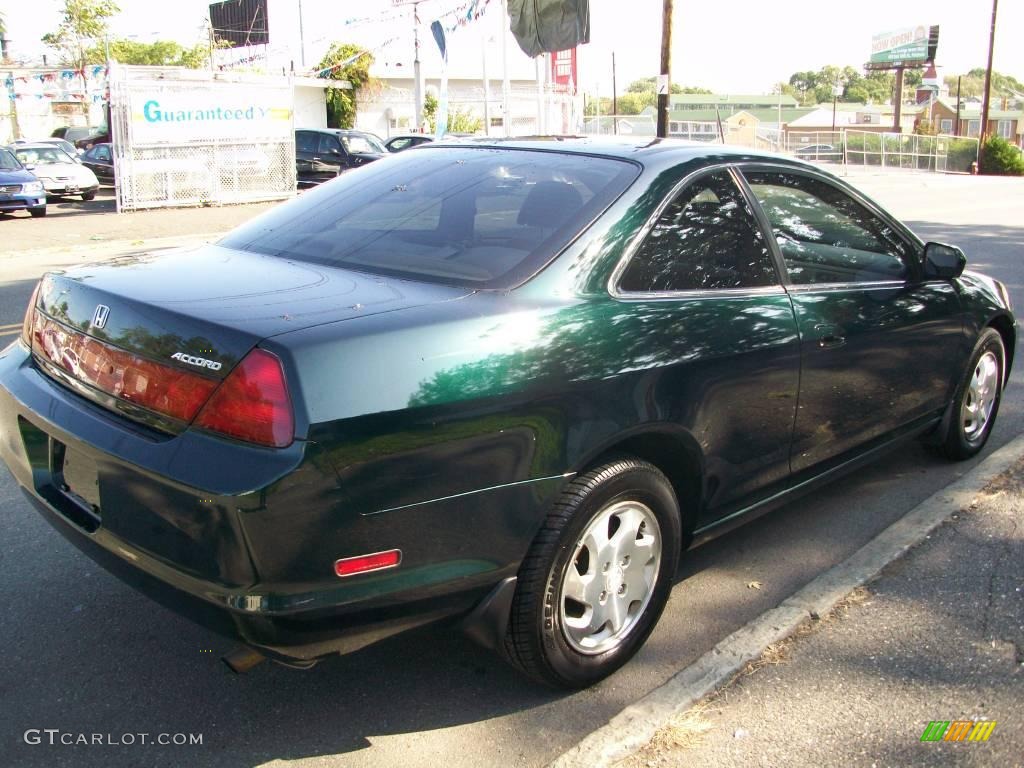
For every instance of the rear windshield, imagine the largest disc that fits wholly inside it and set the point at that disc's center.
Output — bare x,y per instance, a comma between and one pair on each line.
473,216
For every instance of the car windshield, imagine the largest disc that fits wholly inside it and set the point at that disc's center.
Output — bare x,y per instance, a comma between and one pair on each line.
42,155
8,162
473,216
360,142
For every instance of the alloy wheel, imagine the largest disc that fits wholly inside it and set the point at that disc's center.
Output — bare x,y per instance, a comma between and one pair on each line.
610,578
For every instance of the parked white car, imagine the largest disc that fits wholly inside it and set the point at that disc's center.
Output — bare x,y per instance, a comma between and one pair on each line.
58,171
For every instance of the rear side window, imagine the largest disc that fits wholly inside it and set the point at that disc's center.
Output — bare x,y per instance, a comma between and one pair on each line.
706,239
305,141
474,216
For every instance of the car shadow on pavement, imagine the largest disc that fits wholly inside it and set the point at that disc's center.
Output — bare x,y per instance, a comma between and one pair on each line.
86,654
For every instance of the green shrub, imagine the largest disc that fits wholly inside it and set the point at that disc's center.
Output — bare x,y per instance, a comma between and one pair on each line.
1000,158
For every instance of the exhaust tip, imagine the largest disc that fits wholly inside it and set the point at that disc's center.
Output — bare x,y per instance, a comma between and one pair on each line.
242,659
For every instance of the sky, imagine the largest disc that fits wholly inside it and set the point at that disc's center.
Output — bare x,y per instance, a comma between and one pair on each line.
744,46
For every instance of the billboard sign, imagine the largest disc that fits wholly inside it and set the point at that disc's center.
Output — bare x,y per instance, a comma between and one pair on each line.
240,22
909,45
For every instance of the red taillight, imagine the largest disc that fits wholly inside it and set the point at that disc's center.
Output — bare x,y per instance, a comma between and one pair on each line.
350,566
30,313
252,403
128,377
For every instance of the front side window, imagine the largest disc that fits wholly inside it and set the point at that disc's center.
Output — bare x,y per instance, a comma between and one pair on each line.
824,234
357,143
103,153
328,146
480,217
706,239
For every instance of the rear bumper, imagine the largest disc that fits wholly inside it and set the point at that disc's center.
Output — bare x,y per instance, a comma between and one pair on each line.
183,541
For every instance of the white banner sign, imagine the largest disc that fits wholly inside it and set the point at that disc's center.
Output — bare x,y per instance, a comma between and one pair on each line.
238,113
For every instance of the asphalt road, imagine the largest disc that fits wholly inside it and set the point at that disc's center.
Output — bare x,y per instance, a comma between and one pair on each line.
85,654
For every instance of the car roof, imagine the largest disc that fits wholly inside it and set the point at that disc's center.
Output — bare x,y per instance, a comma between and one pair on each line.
646,150
38,145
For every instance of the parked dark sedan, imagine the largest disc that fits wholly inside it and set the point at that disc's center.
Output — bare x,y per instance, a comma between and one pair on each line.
500,383
100,160
323,154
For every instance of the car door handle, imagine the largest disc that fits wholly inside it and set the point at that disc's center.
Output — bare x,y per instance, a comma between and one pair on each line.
829,336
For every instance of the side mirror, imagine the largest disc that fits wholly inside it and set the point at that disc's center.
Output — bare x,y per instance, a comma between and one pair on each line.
943,262
30,166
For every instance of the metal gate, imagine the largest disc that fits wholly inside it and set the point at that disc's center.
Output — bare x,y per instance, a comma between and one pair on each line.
189,139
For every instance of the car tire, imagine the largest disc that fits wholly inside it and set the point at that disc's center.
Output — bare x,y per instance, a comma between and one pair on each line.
612,540
37,212
977,399
87,196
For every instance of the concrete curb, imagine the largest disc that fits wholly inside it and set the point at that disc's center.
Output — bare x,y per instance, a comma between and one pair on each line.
634,726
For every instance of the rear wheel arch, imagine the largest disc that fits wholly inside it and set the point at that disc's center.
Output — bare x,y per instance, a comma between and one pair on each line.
675,453
1004,325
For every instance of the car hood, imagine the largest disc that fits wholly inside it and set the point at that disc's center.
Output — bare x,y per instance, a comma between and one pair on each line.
17,177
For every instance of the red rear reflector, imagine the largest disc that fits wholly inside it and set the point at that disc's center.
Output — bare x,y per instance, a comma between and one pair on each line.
350,566
252,403
128,377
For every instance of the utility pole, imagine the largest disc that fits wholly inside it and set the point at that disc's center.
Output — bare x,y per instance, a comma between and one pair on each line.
988,73
418,85
615,99
506,86
665,81
302,41
898,102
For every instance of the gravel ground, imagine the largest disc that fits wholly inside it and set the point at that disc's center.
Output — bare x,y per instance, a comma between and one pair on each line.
939,636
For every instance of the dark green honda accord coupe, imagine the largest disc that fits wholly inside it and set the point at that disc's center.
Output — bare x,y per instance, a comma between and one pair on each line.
501,384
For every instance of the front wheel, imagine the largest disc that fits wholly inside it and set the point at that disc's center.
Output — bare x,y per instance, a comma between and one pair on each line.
597,576
37,212
977,399
87,196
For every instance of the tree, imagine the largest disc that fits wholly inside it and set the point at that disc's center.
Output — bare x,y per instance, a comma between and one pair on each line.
345,61
160,53
3,38
84,23
459,120
650,85
999,157
972,84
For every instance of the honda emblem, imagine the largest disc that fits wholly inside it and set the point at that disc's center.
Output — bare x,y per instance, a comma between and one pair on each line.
99,317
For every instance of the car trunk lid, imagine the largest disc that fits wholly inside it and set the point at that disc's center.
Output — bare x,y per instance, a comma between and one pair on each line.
195,312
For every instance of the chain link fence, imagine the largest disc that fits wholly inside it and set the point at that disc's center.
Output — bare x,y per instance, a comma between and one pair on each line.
170,150
944,154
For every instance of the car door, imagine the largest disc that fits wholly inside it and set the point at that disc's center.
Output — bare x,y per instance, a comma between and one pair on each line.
705,288
330,158
305,151
880,347
99,161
